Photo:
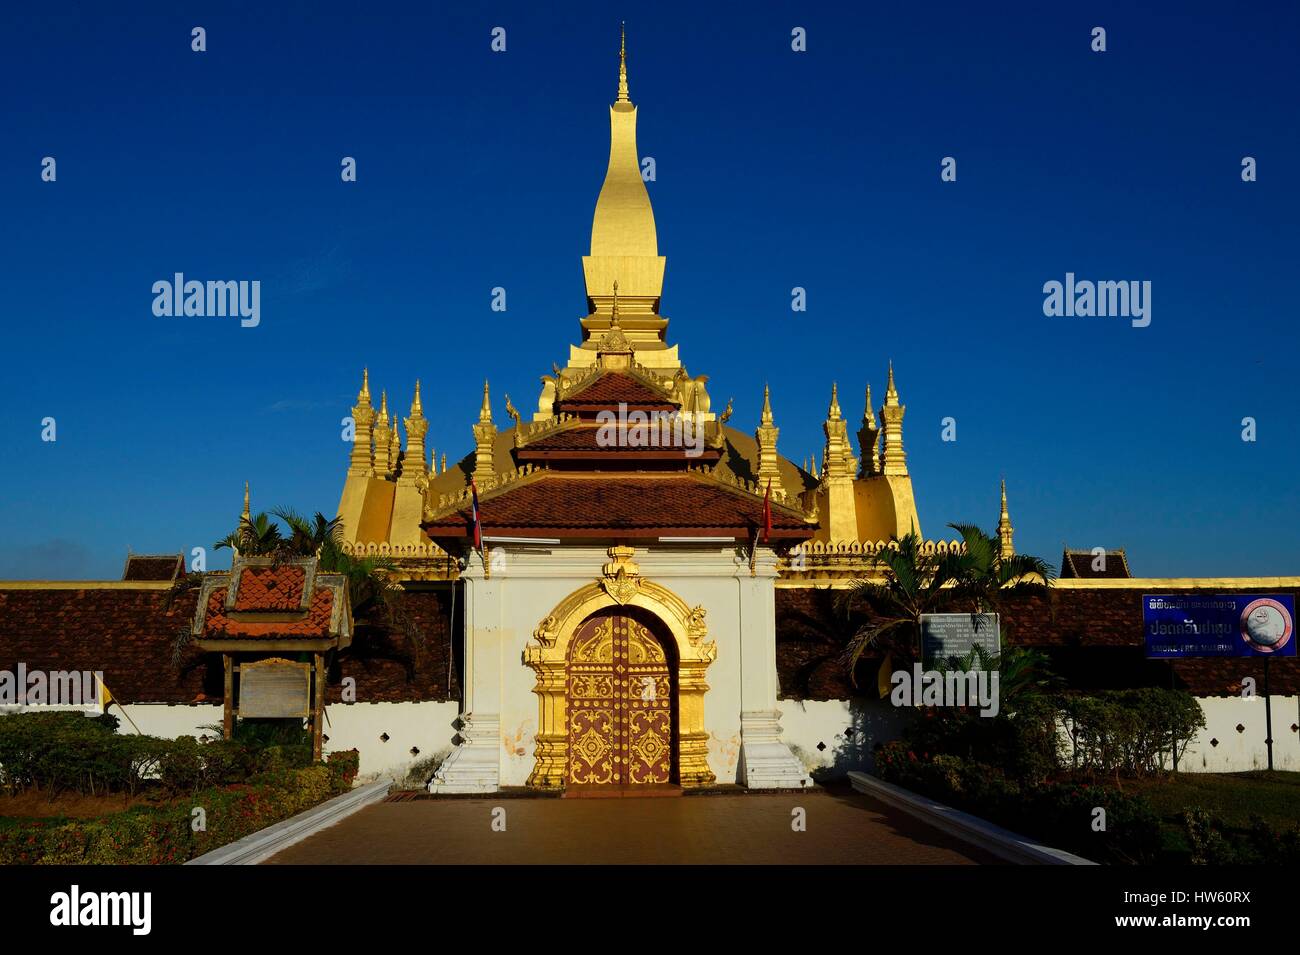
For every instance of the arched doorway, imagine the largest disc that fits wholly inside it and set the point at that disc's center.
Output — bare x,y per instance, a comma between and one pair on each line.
621,687
681,634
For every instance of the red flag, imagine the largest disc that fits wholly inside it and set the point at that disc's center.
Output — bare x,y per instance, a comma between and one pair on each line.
478,525
767,512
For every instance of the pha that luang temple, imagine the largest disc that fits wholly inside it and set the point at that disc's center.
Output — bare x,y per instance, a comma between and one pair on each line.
618,589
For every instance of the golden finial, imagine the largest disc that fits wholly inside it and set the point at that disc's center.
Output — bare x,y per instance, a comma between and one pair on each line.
613,315
417,408
485,413
433,462
767,406
891,392
247,515
383,406
444,462
363,396
834,412
622,65
1004,499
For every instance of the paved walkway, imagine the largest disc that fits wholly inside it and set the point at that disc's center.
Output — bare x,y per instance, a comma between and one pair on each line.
842,828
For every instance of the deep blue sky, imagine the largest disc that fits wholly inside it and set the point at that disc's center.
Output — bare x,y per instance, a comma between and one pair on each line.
775,169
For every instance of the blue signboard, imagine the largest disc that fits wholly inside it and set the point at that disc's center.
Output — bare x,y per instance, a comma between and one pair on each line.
1222,625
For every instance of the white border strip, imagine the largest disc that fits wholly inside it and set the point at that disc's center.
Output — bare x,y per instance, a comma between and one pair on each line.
265,843
1006,845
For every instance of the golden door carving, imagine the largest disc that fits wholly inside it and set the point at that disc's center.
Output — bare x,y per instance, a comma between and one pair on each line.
620,704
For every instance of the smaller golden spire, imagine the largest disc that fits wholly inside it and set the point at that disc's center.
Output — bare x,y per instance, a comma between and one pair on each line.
613,315
416,407
383,407
444,462
1004,499
433,462
485,413
767,406
869,416
622,65
834,412
363,396
891,393
247,515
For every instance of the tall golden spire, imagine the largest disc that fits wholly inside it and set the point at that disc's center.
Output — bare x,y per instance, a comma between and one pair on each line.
622,65
485,412
248,516
416,407
1006,533
624,243
363,396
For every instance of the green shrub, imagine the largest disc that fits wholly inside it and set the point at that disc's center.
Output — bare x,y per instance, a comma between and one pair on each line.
160,835
1060,814
1131,732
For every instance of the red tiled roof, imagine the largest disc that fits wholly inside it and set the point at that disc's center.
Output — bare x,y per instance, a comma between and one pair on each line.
637,506
316,623
154,567
614,387
1079,564
271,588
585,440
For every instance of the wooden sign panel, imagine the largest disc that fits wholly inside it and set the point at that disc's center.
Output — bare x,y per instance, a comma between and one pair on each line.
275,689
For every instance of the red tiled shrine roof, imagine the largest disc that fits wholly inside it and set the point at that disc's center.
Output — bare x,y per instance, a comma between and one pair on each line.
612,388
274,600
638,505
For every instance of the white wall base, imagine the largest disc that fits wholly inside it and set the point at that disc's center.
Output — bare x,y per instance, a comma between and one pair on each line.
474,766
765,760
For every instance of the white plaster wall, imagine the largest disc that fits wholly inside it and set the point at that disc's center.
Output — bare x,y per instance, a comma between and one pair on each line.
427,726
852,729
168,721
532,581
1239,752
849,729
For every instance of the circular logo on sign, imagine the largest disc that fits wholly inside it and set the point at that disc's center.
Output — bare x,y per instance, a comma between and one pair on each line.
1266,625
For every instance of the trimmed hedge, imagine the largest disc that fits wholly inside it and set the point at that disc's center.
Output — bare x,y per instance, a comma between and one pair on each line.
240,786
161,835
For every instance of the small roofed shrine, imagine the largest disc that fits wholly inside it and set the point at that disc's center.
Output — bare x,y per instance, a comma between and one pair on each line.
274,622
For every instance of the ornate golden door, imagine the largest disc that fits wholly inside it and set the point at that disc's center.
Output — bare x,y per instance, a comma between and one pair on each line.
620,701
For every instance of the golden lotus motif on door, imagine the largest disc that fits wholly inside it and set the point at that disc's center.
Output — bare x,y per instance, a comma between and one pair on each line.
620,700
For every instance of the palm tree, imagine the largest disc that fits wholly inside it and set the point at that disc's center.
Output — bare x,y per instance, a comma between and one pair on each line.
254,537
309,538
919,581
